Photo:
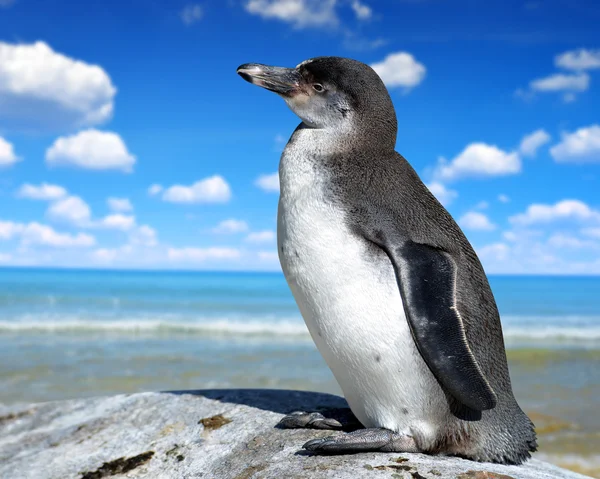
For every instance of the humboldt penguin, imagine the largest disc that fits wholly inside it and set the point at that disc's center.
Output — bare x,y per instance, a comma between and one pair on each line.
391,290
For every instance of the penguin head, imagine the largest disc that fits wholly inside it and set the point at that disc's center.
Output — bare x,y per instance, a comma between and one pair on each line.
330,93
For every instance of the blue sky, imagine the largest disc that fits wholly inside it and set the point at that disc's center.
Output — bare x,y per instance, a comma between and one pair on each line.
128,141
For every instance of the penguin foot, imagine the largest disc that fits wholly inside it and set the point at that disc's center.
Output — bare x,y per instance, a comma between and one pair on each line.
313,420
363,440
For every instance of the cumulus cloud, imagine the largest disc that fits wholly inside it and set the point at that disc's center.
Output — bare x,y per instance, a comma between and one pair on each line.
576,82
560,253
362,11
479,160
38,234
591,232
42,88
563,210
562,240
105,255
209,190
116,221
91,149
45,192
231,226
35,233
495,251
444,195
268,183
8,229
474,220
581,146
143,235
581,59
268,256
400,70
503,198
191,14
532,142
155,189
72,210
202,254
7,152
261,237
298,13
119,205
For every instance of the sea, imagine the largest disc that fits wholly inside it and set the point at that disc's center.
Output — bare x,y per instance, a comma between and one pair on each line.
79,333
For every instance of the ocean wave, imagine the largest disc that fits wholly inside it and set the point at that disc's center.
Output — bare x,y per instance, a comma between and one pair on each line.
284,328
216,327
553,333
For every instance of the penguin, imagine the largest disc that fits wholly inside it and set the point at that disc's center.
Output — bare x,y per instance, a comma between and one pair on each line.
392,292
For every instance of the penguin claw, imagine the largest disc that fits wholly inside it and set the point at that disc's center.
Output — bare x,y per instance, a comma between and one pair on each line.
315,420
363,440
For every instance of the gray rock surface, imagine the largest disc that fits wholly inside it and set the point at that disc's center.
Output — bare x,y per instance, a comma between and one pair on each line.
212,434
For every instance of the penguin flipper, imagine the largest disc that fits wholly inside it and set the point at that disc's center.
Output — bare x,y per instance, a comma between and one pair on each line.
426,278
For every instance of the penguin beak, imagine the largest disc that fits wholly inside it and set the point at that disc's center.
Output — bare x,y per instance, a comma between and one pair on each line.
283,81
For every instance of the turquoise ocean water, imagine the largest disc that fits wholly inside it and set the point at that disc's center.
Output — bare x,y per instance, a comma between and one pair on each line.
67,333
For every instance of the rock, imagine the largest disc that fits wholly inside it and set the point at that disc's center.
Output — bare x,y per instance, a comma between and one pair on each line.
211,434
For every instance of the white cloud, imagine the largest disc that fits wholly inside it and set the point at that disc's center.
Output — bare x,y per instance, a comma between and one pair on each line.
35,233
268,183
482,205
7,152
8,229
143,235
119,205
45,192
155,189
479,160
577,82
474,220
261,237
231,226
561,254
532,142
299,13
71,209
561,240
116,221
362,11
202,254
91,149
495,251
104,255
5,258
591,232
268,256
191,14
400,70
444,195
209,190
563,210
39,234
581,59
42,88
503,198
581,146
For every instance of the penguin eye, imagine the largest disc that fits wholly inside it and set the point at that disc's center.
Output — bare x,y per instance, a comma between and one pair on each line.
318,87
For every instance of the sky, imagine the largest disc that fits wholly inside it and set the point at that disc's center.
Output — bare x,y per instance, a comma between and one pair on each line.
128,141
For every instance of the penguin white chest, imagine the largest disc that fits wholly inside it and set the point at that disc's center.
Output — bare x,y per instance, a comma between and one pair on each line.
347,293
